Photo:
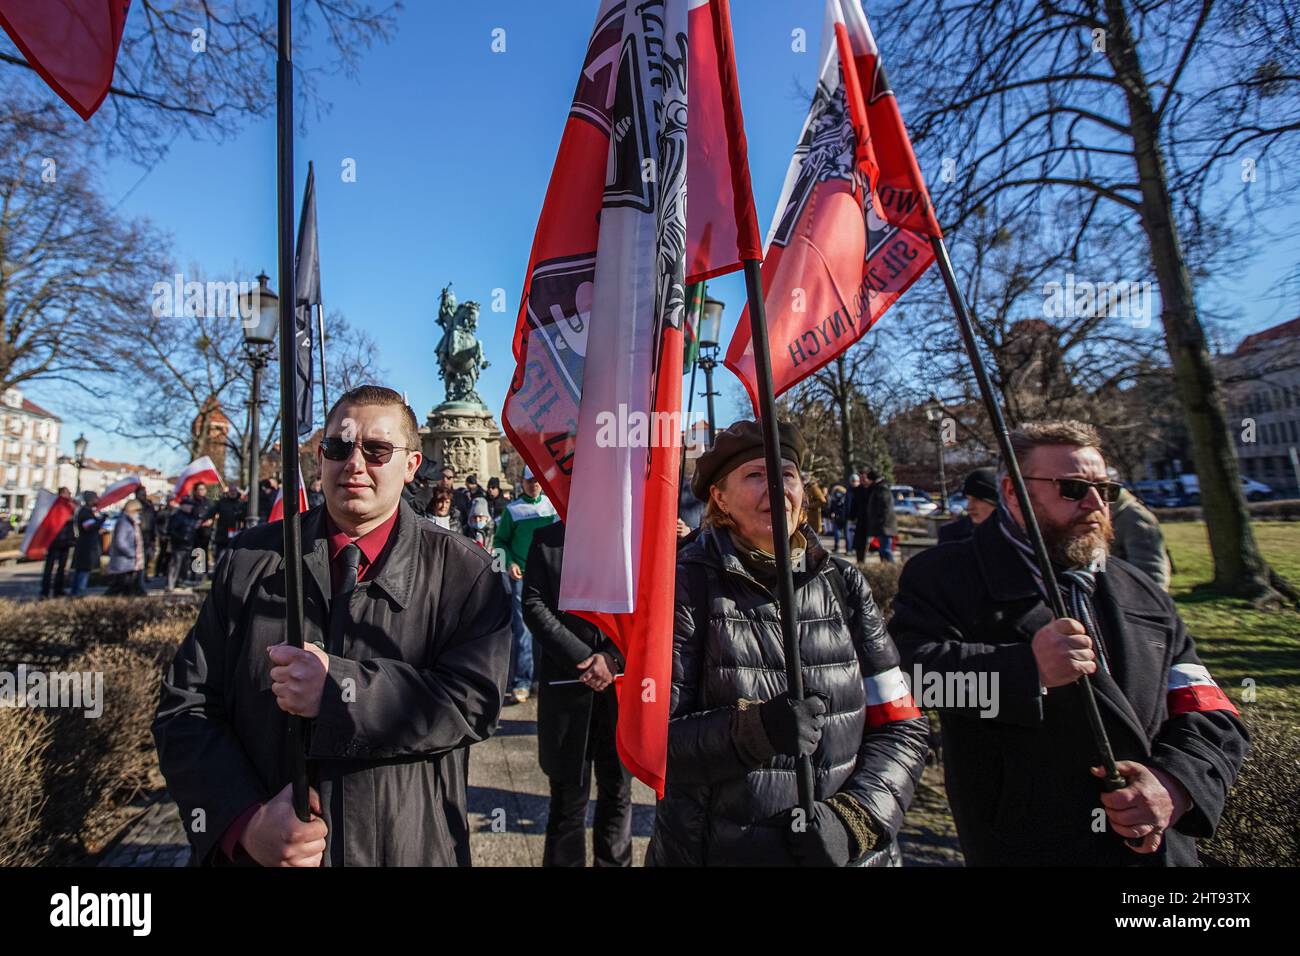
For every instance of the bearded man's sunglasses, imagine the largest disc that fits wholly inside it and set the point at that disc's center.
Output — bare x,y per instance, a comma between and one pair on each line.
1076,489
372,449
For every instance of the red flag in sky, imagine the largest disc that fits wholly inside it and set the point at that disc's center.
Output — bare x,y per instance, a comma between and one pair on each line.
201,469
853,225
721,223
123,488
606,276
277,506
72,44
48,518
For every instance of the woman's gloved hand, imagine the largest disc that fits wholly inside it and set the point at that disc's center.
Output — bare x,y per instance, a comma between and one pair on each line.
794,727
822,840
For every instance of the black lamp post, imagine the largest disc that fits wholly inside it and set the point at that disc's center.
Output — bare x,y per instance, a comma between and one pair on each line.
79,450
260,314
710,331
935,413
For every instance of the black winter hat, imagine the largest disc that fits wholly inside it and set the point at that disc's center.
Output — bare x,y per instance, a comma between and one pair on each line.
738,443
982,483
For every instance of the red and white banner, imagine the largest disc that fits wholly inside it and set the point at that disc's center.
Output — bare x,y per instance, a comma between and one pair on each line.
199,470
71,44
853,225
118,490
277,506
607,278
48,518
1192,689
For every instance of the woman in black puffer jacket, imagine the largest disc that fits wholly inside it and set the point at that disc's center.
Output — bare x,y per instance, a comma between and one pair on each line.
734,734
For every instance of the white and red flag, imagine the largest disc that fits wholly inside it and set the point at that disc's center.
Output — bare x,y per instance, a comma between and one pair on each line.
71,44
277,506
48,518
201,469
607,278
118,490
853,224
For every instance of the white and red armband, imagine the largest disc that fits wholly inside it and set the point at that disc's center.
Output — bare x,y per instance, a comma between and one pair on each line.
1193,690
889,698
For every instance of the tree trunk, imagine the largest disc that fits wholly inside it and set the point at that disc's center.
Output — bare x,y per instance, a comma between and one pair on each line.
1239,568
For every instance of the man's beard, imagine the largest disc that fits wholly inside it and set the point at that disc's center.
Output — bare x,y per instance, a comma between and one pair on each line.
1070,549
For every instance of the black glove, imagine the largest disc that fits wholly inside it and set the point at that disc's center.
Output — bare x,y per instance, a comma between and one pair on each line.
822,840
794,727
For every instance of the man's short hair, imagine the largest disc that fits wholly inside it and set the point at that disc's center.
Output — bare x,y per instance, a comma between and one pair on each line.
1030,435
379,395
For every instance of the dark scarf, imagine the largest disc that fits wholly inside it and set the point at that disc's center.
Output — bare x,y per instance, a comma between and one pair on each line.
1078,585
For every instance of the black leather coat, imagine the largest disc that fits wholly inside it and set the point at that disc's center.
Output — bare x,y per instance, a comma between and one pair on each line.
716,808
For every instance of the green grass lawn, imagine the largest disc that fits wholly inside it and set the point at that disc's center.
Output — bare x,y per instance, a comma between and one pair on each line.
1237,642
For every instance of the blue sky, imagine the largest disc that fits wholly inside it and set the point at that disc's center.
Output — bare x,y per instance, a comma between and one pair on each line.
454,145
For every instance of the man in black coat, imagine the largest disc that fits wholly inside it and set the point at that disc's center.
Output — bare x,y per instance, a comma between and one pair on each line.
575,721
89,547
1021,766
874,507
407,632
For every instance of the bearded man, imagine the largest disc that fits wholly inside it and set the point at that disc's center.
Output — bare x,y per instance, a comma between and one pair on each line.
1023,777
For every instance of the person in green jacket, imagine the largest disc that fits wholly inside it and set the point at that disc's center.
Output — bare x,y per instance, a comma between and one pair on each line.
521,517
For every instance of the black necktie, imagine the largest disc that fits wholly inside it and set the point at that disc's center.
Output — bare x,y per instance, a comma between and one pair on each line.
349,560
1080,586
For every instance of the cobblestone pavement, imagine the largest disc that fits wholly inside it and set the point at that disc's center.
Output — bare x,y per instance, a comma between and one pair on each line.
508,789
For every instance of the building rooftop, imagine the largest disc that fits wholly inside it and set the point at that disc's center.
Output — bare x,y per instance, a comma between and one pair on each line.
1278,333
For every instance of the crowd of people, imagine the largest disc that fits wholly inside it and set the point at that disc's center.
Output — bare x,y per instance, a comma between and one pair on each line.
430,606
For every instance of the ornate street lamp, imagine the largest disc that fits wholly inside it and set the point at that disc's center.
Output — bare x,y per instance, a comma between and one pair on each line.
259,312
934,412
710,332
79,451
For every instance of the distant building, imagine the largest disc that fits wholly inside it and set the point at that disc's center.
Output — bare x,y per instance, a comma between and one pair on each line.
29,451
210,431
1261,388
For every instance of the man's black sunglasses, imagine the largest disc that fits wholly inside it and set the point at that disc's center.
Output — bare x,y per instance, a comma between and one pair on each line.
373,450
1075,489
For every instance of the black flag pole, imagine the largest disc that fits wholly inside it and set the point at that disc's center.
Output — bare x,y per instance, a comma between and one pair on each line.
776,497
698,313
1113,779
294,726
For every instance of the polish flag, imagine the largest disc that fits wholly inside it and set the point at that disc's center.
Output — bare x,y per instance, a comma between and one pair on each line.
1191,689
607,277
853,225
199,470
71,44
889,698
123,488
48,518
277,506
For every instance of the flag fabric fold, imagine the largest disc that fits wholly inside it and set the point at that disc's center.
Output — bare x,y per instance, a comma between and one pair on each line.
277,506
853,225
119,490
607,277
71,44
307,274
48,518
201,469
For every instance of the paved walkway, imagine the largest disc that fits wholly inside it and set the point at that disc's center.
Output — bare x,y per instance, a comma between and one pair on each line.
508,802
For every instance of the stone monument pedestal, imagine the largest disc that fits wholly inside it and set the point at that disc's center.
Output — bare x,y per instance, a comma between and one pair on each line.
464,436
